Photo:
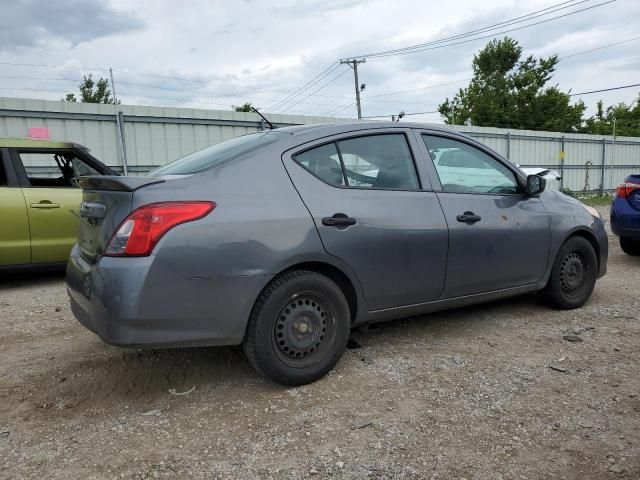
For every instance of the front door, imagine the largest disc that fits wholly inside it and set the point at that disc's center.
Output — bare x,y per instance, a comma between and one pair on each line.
14,224
53,202
371,211
498,237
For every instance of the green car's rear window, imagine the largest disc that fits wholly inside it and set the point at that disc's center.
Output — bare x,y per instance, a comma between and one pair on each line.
215,155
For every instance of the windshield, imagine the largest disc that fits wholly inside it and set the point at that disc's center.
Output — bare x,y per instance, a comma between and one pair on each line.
215,155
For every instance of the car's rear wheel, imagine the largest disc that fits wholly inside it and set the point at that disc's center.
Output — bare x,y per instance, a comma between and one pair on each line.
299,328
574,274
630,246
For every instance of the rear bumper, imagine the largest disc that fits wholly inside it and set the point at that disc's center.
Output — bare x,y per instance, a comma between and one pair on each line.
625,220
140,302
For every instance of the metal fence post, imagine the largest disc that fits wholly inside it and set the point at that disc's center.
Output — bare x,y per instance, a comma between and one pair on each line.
123,145
562,163
508,145
604,151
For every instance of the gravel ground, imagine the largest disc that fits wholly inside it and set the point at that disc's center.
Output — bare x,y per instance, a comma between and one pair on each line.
492,391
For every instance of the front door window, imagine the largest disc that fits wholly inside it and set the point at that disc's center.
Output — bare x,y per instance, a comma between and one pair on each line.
466,169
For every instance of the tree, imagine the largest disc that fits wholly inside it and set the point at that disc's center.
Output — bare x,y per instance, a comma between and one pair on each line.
626,119
508,91
242,108
92,91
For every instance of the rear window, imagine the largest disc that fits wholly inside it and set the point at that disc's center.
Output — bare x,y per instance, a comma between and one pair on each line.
215,155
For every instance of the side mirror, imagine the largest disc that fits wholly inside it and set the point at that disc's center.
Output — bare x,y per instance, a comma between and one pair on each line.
535,184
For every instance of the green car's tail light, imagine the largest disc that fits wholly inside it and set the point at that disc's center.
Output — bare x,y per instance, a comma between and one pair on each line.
139,233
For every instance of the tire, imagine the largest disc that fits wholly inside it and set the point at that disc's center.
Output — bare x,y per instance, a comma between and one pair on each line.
629,246
298,329
574,274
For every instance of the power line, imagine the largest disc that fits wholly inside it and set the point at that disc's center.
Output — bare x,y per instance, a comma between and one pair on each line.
153,75
431,46
468,79
336,111
406,114
204,92
605,90
306,86
211,93
521,18
323,86
418,89
131,94
571,95
600,48
90,69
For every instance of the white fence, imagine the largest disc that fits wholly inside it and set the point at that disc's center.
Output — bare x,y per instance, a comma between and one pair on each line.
155,135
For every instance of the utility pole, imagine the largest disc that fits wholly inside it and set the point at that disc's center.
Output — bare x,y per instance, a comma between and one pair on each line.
120,125
113,86
353,63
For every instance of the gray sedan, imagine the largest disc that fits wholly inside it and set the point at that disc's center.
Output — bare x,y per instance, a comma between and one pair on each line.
285,240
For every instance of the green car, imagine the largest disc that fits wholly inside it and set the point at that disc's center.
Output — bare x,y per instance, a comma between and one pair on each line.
39,202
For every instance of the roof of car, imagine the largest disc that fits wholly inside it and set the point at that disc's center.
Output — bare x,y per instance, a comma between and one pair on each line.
32,143
334,128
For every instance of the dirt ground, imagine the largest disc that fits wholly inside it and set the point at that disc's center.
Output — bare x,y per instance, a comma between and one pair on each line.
492,391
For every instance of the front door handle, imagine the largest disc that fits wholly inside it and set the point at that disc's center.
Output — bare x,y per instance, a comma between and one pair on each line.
338,220
45,204
469,218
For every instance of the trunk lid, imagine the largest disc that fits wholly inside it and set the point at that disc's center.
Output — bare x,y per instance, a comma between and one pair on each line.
106,202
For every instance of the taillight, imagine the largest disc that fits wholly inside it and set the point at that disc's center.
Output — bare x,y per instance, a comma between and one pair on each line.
139,233
626,189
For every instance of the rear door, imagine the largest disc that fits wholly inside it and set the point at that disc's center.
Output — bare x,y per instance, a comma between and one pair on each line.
15,246
52,200
498,236
373,212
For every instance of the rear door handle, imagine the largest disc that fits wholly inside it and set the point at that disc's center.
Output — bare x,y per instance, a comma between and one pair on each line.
338,220
45,204
469,218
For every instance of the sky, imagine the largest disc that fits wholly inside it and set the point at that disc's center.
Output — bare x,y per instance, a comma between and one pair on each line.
224,53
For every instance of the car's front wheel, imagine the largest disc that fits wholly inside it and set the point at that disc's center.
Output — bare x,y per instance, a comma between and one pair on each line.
299,328
630,246
574,274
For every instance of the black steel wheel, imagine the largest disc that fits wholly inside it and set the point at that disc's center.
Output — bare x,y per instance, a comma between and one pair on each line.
574,274
298,329
304,329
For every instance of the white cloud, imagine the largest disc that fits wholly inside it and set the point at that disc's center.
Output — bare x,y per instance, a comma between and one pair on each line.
256,51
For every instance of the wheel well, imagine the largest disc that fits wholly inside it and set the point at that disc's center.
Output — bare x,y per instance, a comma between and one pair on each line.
337,276
591,239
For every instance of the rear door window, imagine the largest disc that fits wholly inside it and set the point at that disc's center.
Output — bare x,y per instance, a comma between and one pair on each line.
379,161
54,168
382,161
324,163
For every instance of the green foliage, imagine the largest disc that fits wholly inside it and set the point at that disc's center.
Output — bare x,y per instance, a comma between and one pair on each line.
626,118
597,201
242,108
592,200
510,92
92,91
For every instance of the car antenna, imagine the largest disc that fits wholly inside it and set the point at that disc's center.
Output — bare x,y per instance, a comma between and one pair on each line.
273,127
